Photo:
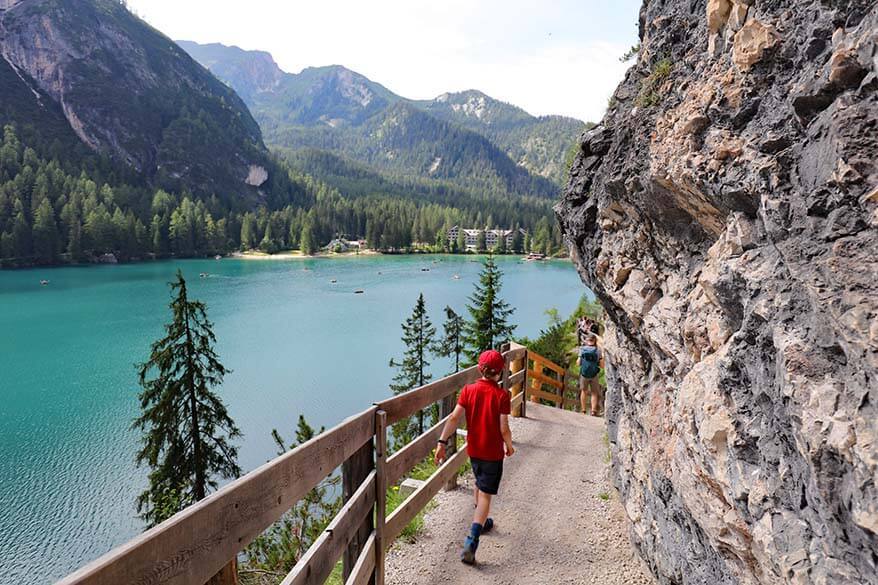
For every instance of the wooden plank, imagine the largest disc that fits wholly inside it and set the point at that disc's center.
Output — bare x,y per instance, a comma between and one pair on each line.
515,379
403,460
515,353
535,357
421,496
517,400
544,379
193,545
363,570
354,472
319,561
534,393
404,405
380,496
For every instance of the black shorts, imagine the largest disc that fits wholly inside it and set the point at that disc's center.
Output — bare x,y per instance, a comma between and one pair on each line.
488,475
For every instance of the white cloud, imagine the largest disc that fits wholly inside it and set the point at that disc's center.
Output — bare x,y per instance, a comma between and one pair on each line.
551,57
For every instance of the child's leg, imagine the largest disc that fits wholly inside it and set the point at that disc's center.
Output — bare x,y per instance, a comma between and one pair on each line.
483,508
476,497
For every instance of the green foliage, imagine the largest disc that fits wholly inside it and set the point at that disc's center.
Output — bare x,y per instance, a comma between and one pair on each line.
651,87
419,337
604,496
559,340
274,552
451,342
187,431
488,326
630,53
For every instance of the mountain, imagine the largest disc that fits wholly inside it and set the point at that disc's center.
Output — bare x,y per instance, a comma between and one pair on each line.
91,69
488,144
539,144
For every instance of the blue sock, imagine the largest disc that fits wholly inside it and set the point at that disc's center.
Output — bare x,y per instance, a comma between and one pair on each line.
475,531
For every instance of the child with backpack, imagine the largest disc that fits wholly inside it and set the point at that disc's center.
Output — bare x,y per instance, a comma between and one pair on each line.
488,439
590,363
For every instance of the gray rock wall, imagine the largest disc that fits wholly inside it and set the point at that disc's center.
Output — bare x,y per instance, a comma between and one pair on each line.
726,214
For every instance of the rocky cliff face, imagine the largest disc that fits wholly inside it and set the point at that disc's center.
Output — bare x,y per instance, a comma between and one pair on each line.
129,92
726,214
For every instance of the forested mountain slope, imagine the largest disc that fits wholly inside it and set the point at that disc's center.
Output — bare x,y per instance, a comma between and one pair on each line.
130,93
502,148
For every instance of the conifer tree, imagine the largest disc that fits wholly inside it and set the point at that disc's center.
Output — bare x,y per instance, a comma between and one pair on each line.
451,343
419,335
488,325
187,431
482,242
280,547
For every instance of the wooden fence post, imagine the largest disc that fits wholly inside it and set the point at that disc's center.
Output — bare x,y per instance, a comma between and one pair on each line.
516,366
228,575
381,492
353,472
445,407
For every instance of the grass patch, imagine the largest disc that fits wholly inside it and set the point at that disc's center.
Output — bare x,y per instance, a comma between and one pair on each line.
604,496
650,87
422,472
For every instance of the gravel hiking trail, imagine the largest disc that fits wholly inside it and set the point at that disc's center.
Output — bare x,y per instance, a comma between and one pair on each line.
558,518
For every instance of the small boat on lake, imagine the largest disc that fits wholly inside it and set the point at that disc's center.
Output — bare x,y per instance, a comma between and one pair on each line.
456,277
44,282
425,270
217,257
204,274
359,291
333,281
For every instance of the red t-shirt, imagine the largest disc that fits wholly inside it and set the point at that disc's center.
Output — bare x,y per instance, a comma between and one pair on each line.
484,401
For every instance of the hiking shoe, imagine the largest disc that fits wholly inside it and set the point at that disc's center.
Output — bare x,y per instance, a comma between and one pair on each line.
489,524
468,554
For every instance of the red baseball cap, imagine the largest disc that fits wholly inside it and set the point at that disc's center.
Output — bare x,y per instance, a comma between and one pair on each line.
492,359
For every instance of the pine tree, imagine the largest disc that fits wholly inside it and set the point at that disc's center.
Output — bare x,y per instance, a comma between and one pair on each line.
481,242
451,343
280,547
488,326
187,430
74,244
418,334
45,234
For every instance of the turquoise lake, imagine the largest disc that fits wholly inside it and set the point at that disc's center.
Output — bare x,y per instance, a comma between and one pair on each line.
295,342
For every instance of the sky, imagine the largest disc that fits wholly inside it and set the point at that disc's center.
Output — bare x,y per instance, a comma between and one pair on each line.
546,56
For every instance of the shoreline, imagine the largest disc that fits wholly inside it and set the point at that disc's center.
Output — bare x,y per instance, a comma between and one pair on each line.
256,255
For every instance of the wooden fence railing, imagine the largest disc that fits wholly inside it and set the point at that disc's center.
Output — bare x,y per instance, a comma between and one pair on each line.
201,543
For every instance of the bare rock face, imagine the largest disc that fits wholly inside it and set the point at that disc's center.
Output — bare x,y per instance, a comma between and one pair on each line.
725,212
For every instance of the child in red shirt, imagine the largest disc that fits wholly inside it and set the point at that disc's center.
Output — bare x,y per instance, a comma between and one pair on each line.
488,440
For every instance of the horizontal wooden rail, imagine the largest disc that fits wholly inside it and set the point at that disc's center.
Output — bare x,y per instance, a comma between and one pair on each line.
543,361
407,404
542,378
536,393
317,564
193,545
406,511
403,460
516,378
365,566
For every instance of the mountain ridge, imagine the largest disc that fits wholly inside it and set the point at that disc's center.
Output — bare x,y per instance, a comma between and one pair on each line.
340,98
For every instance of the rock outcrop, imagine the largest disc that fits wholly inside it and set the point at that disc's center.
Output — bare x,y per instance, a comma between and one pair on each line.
725,212
130,93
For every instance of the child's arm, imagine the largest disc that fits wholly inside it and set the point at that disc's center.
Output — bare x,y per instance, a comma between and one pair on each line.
507,434
448,433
